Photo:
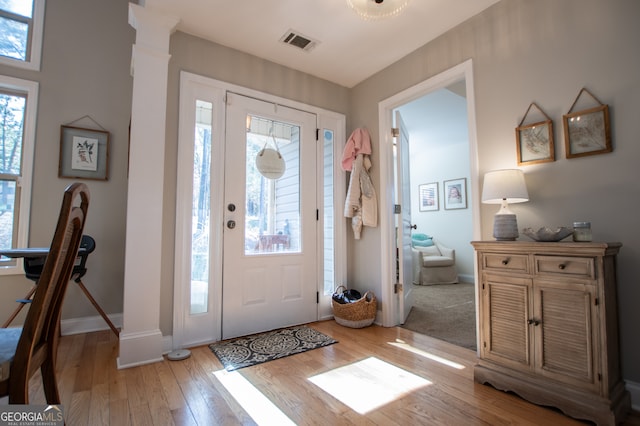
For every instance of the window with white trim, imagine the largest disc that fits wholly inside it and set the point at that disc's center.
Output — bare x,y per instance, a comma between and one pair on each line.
21,29
18,106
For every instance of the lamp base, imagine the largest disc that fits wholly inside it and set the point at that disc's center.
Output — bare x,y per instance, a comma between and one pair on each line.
505,227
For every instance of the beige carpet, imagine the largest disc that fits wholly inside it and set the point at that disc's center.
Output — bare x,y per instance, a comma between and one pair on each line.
446,312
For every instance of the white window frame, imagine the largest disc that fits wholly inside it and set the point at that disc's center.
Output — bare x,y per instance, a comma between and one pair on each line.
30,90
37,32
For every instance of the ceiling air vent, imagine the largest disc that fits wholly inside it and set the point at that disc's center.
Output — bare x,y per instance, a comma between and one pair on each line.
295,39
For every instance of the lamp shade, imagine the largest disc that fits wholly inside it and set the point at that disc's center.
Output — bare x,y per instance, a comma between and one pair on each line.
377,9
506,185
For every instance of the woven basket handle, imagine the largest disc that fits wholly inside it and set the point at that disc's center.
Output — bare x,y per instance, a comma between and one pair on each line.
340,287
369,297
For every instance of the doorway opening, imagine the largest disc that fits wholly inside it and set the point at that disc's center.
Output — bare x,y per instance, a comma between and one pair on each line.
438,162
257,243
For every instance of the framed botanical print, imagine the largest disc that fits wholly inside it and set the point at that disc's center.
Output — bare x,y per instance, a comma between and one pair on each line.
534,142
84,153
587,132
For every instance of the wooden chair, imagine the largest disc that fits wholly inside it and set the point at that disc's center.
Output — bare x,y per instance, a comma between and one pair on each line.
24,351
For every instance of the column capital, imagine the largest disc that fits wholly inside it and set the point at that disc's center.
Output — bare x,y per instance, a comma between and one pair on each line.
153,28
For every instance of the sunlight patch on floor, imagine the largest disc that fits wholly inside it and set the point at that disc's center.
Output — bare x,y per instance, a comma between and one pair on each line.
254,402
402,345
368,384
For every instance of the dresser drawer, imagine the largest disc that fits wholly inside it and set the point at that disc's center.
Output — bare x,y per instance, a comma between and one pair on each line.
578,267
505,262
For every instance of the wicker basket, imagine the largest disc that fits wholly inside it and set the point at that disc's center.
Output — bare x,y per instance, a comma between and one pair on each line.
358,314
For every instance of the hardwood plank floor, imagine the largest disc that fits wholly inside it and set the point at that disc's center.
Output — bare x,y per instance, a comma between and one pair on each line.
196,391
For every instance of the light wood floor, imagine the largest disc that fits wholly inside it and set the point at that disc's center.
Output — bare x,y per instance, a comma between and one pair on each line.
189,392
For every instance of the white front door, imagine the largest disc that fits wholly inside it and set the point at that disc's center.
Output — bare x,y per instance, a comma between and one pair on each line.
403,189
270,223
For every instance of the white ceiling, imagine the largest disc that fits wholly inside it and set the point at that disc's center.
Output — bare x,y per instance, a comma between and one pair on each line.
350,49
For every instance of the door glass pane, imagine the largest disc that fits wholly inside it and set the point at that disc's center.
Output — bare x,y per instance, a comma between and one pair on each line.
201,209
329,240
272,206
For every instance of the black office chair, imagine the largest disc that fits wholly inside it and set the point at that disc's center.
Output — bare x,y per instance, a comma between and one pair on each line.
33,269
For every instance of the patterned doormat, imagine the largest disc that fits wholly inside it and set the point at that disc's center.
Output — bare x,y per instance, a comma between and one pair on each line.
258,348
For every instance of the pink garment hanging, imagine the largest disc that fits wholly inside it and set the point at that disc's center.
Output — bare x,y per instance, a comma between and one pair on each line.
358,143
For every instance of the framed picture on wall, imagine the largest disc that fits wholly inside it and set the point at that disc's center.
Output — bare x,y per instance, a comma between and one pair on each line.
587,132
428,197
535,143
84,153
455,194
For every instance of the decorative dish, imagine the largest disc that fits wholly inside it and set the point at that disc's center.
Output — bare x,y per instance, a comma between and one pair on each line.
548,234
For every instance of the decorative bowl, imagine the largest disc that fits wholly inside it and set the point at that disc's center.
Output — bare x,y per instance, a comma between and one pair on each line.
548,234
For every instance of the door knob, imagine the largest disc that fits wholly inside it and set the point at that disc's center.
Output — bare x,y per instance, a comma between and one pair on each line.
231,224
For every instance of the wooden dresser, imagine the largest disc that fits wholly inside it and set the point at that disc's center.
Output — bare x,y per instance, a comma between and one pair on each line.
548,326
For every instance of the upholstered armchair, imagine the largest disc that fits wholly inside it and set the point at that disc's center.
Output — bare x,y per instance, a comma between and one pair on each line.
435,264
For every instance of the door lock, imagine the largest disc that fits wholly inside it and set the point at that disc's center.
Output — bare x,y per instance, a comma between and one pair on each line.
231,207
231,224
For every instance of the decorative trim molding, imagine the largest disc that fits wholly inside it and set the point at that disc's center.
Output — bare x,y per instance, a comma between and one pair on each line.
634,390
88,324
140,348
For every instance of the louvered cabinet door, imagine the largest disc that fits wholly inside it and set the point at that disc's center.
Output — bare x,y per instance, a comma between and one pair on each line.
565,329
506,310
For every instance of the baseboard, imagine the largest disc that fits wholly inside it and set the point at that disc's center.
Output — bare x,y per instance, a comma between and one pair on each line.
466,278
88,324
140,348
167,344
634,391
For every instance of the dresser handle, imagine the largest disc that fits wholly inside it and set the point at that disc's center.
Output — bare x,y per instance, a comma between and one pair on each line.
562,266
505,262
533,321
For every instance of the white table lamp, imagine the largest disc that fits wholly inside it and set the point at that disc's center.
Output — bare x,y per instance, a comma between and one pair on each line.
504,187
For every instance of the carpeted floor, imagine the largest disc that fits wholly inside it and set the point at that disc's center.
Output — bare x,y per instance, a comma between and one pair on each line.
446,312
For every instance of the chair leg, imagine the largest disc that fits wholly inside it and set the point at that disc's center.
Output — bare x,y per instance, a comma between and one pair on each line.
19,389
49,381
98,308
15,313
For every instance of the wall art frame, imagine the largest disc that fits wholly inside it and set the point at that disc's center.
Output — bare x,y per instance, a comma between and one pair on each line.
84,153
534,142
454,193
588,131
428,197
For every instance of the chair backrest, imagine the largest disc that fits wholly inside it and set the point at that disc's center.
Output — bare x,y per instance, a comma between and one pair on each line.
39,337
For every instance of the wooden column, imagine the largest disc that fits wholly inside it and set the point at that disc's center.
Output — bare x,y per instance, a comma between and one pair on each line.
141,338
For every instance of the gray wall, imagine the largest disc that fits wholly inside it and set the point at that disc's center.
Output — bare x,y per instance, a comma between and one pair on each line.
544,52
84,71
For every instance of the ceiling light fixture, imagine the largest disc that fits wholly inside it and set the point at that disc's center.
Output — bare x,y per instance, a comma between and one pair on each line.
377,9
